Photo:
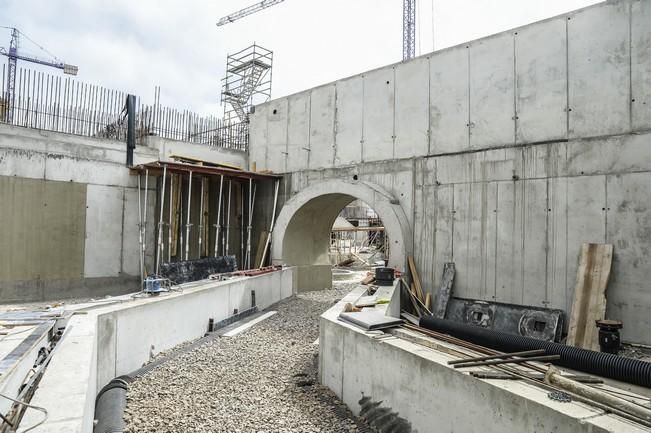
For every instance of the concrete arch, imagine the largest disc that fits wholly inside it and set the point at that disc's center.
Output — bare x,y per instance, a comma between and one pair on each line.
302,233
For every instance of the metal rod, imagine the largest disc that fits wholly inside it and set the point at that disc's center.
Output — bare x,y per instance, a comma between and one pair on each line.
187,224
509,361
142,274
161,244
241,223
169,227
228,218
201,217
219,211
248,228
498,356
144,218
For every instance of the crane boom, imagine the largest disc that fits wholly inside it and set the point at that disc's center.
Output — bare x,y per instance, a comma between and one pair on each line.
13,56
247,11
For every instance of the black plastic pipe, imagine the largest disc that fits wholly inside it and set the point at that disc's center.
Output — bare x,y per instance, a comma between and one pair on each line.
110,404
602,364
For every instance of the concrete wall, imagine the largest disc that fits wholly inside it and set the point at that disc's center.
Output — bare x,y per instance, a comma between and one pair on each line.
167,148
415,382
113,340
506,153
69,214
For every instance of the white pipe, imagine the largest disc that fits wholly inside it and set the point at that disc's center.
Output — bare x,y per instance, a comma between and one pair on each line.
187,224
161,244
201,219
228,220
219,212
169,227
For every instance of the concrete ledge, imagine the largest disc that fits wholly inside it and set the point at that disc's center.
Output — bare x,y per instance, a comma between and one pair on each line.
415,382
105,341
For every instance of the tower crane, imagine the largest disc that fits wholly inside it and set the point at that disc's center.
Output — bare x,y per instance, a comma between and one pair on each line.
13,56
408,22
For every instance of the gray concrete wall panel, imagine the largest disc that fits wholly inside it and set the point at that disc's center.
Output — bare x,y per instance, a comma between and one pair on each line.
350,94
534,276
609,155
443,208
557,263
322,127
104,209
412,108
641,64
298,131
379,104
449,111
629,230
492,92
277,119
586,221
258,137
541,81
509,244
599,57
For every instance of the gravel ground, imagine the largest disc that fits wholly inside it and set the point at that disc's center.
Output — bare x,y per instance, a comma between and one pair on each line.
262,381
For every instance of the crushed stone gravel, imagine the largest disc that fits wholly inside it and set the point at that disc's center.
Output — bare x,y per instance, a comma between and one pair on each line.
263,380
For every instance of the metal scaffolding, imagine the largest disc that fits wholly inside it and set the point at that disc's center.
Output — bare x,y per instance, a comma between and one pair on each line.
247,82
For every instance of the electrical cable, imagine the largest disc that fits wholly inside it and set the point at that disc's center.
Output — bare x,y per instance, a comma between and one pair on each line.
38,408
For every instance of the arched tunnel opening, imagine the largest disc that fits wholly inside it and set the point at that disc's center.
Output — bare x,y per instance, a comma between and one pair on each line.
308,236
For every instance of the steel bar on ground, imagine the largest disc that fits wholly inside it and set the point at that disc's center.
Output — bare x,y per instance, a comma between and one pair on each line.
498,356
219,210
161,244
187,223
509,361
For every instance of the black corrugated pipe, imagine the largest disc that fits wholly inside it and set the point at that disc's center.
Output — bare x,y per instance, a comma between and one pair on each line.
602,364
110,405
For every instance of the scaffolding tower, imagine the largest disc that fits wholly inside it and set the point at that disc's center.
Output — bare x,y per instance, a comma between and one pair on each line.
247,82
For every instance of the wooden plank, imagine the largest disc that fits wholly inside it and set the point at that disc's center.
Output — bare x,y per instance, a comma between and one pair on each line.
416,279
258,251
443,295
589,304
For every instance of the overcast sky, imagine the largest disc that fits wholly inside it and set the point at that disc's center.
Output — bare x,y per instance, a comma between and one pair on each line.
134,45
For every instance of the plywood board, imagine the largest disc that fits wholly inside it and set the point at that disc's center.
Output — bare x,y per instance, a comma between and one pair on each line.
541,81
412,108
48,229
641,64
599,73
322,127
449,101
379,98
349,114
492,92
589,295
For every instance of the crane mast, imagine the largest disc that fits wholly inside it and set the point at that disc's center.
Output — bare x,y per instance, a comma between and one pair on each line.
408,29
13,56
